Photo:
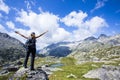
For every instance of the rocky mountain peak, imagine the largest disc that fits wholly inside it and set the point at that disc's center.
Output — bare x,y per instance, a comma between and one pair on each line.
102,36
90,38
4,35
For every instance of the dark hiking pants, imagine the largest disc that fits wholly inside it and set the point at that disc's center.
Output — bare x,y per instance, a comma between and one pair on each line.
32,52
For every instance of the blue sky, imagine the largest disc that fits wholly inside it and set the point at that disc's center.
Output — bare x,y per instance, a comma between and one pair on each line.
66,20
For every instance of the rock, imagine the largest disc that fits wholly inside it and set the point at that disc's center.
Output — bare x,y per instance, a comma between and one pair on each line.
37,74
19,63
46,65
93,65
41,75
50,70
0,65
4,72
20,72
71,76
107,72
11,68
29,76
11,49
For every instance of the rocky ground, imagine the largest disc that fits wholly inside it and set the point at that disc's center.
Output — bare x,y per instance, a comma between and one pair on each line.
107,72
26,74
23,73
15,71
44,72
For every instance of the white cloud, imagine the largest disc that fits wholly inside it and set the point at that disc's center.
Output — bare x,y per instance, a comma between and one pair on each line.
4,7
2,29
42,22
95,23
40,9
12,33
39,23
85,27
60,35
74,19
29,4
10,25
99,4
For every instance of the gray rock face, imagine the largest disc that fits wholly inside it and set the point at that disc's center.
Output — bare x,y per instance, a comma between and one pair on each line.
102,36
11,49
11,68
86,49
37,74
90,38
105,73
4,72
57,50
103,48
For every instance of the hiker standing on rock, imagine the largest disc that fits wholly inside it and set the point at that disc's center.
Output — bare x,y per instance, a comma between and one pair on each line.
30,48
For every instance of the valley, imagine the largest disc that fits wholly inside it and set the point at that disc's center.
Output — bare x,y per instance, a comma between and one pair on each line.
78,60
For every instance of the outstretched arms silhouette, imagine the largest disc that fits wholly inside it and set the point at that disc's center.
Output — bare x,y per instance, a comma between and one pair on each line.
21,34
41,34
28,37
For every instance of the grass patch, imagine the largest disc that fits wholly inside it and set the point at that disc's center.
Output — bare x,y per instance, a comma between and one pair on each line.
6,77
68,61
77,70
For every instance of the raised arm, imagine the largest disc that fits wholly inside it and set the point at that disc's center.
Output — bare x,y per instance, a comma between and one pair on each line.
41,34
21,34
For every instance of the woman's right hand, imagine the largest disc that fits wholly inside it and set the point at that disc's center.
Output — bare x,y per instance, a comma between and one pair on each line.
17,32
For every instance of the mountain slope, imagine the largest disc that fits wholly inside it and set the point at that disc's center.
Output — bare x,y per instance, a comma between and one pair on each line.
104,48
89,47
10,48
61,49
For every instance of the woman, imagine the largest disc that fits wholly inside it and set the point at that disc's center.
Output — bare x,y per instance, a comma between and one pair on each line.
30,48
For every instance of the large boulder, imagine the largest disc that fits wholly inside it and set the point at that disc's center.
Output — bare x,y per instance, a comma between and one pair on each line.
105,73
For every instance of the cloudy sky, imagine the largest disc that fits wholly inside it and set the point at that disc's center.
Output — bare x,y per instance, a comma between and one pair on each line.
66,20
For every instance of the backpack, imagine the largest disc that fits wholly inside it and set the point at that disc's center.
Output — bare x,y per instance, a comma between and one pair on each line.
30,43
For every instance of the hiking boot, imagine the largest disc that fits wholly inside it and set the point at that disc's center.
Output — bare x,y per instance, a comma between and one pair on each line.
25,66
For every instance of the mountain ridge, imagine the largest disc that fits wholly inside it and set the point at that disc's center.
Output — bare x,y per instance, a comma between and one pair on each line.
11,49
86,45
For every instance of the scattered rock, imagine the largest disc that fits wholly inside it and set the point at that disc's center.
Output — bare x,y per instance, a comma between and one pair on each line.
7,68
4,72
11,68
71,76
93,65
37,74
46,65
107,72
19,63
21,72
50,70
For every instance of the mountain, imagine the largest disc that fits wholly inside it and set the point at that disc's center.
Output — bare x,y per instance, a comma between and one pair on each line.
87,49
11,49
61,49
58,50
104,48
90,38
102,36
